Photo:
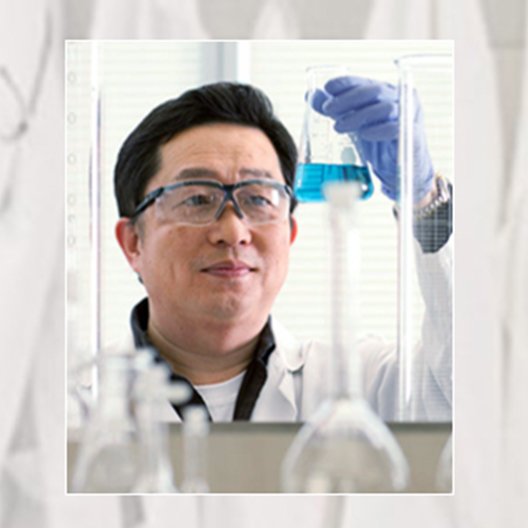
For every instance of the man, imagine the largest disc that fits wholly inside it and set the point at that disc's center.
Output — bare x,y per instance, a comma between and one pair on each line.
204,191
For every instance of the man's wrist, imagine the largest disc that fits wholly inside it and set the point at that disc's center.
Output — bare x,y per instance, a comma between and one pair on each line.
433,223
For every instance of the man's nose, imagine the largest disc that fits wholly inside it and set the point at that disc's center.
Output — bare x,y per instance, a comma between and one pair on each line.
229,229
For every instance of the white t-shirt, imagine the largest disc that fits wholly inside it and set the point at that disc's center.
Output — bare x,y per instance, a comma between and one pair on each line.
220,398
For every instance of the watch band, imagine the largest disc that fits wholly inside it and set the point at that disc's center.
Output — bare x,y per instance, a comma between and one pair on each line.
442,197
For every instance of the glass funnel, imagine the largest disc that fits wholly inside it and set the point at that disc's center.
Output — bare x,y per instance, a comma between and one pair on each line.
424,319
344,447
324,154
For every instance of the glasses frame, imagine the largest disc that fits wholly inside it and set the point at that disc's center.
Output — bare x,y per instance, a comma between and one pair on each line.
228,189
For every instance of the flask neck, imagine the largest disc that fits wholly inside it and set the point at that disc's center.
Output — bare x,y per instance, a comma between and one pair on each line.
345,256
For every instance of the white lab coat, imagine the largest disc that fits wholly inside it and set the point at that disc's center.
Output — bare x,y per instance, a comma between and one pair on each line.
298,372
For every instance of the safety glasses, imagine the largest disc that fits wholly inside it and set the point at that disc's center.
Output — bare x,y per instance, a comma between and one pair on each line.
202,202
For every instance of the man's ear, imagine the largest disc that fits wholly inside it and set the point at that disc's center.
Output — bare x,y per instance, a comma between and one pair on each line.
128,238
293,229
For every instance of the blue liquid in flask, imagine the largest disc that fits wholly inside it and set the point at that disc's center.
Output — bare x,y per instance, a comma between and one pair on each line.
311,177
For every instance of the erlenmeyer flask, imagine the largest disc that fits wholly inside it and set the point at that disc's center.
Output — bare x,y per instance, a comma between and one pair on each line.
108,454
324,154
344,447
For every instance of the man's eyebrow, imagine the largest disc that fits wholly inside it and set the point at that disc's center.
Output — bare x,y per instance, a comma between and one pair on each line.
192,173
195,172
256,173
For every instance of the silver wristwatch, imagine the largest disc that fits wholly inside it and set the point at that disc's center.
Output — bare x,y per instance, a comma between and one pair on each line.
442,197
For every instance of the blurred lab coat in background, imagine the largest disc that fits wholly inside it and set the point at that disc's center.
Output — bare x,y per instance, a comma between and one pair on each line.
32,437
490,420
512,261
478,162
147,19
276,20
144,19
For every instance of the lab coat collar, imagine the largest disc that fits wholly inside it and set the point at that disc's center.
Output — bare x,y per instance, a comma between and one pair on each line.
289,349
279,400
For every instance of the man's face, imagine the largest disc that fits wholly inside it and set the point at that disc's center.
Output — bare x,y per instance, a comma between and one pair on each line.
228,270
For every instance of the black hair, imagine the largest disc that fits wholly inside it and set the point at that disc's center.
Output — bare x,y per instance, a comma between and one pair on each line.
223,102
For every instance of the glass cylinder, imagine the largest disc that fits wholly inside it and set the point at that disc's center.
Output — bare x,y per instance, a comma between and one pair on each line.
421,78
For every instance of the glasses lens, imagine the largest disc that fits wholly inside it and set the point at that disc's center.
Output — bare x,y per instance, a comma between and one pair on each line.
263,202
199,204
190,204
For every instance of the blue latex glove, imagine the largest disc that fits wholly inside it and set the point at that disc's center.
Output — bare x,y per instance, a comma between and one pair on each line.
368,109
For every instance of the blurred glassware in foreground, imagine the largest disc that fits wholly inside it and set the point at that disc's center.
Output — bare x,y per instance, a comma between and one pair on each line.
153,391
108,453
195,445
344,447
124,445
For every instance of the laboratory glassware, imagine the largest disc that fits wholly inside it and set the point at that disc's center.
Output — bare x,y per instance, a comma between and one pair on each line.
344,447
324,154
124,445
108,452
152,391
419,76
195,441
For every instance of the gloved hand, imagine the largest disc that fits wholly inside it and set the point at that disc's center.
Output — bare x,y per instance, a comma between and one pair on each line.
368,110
